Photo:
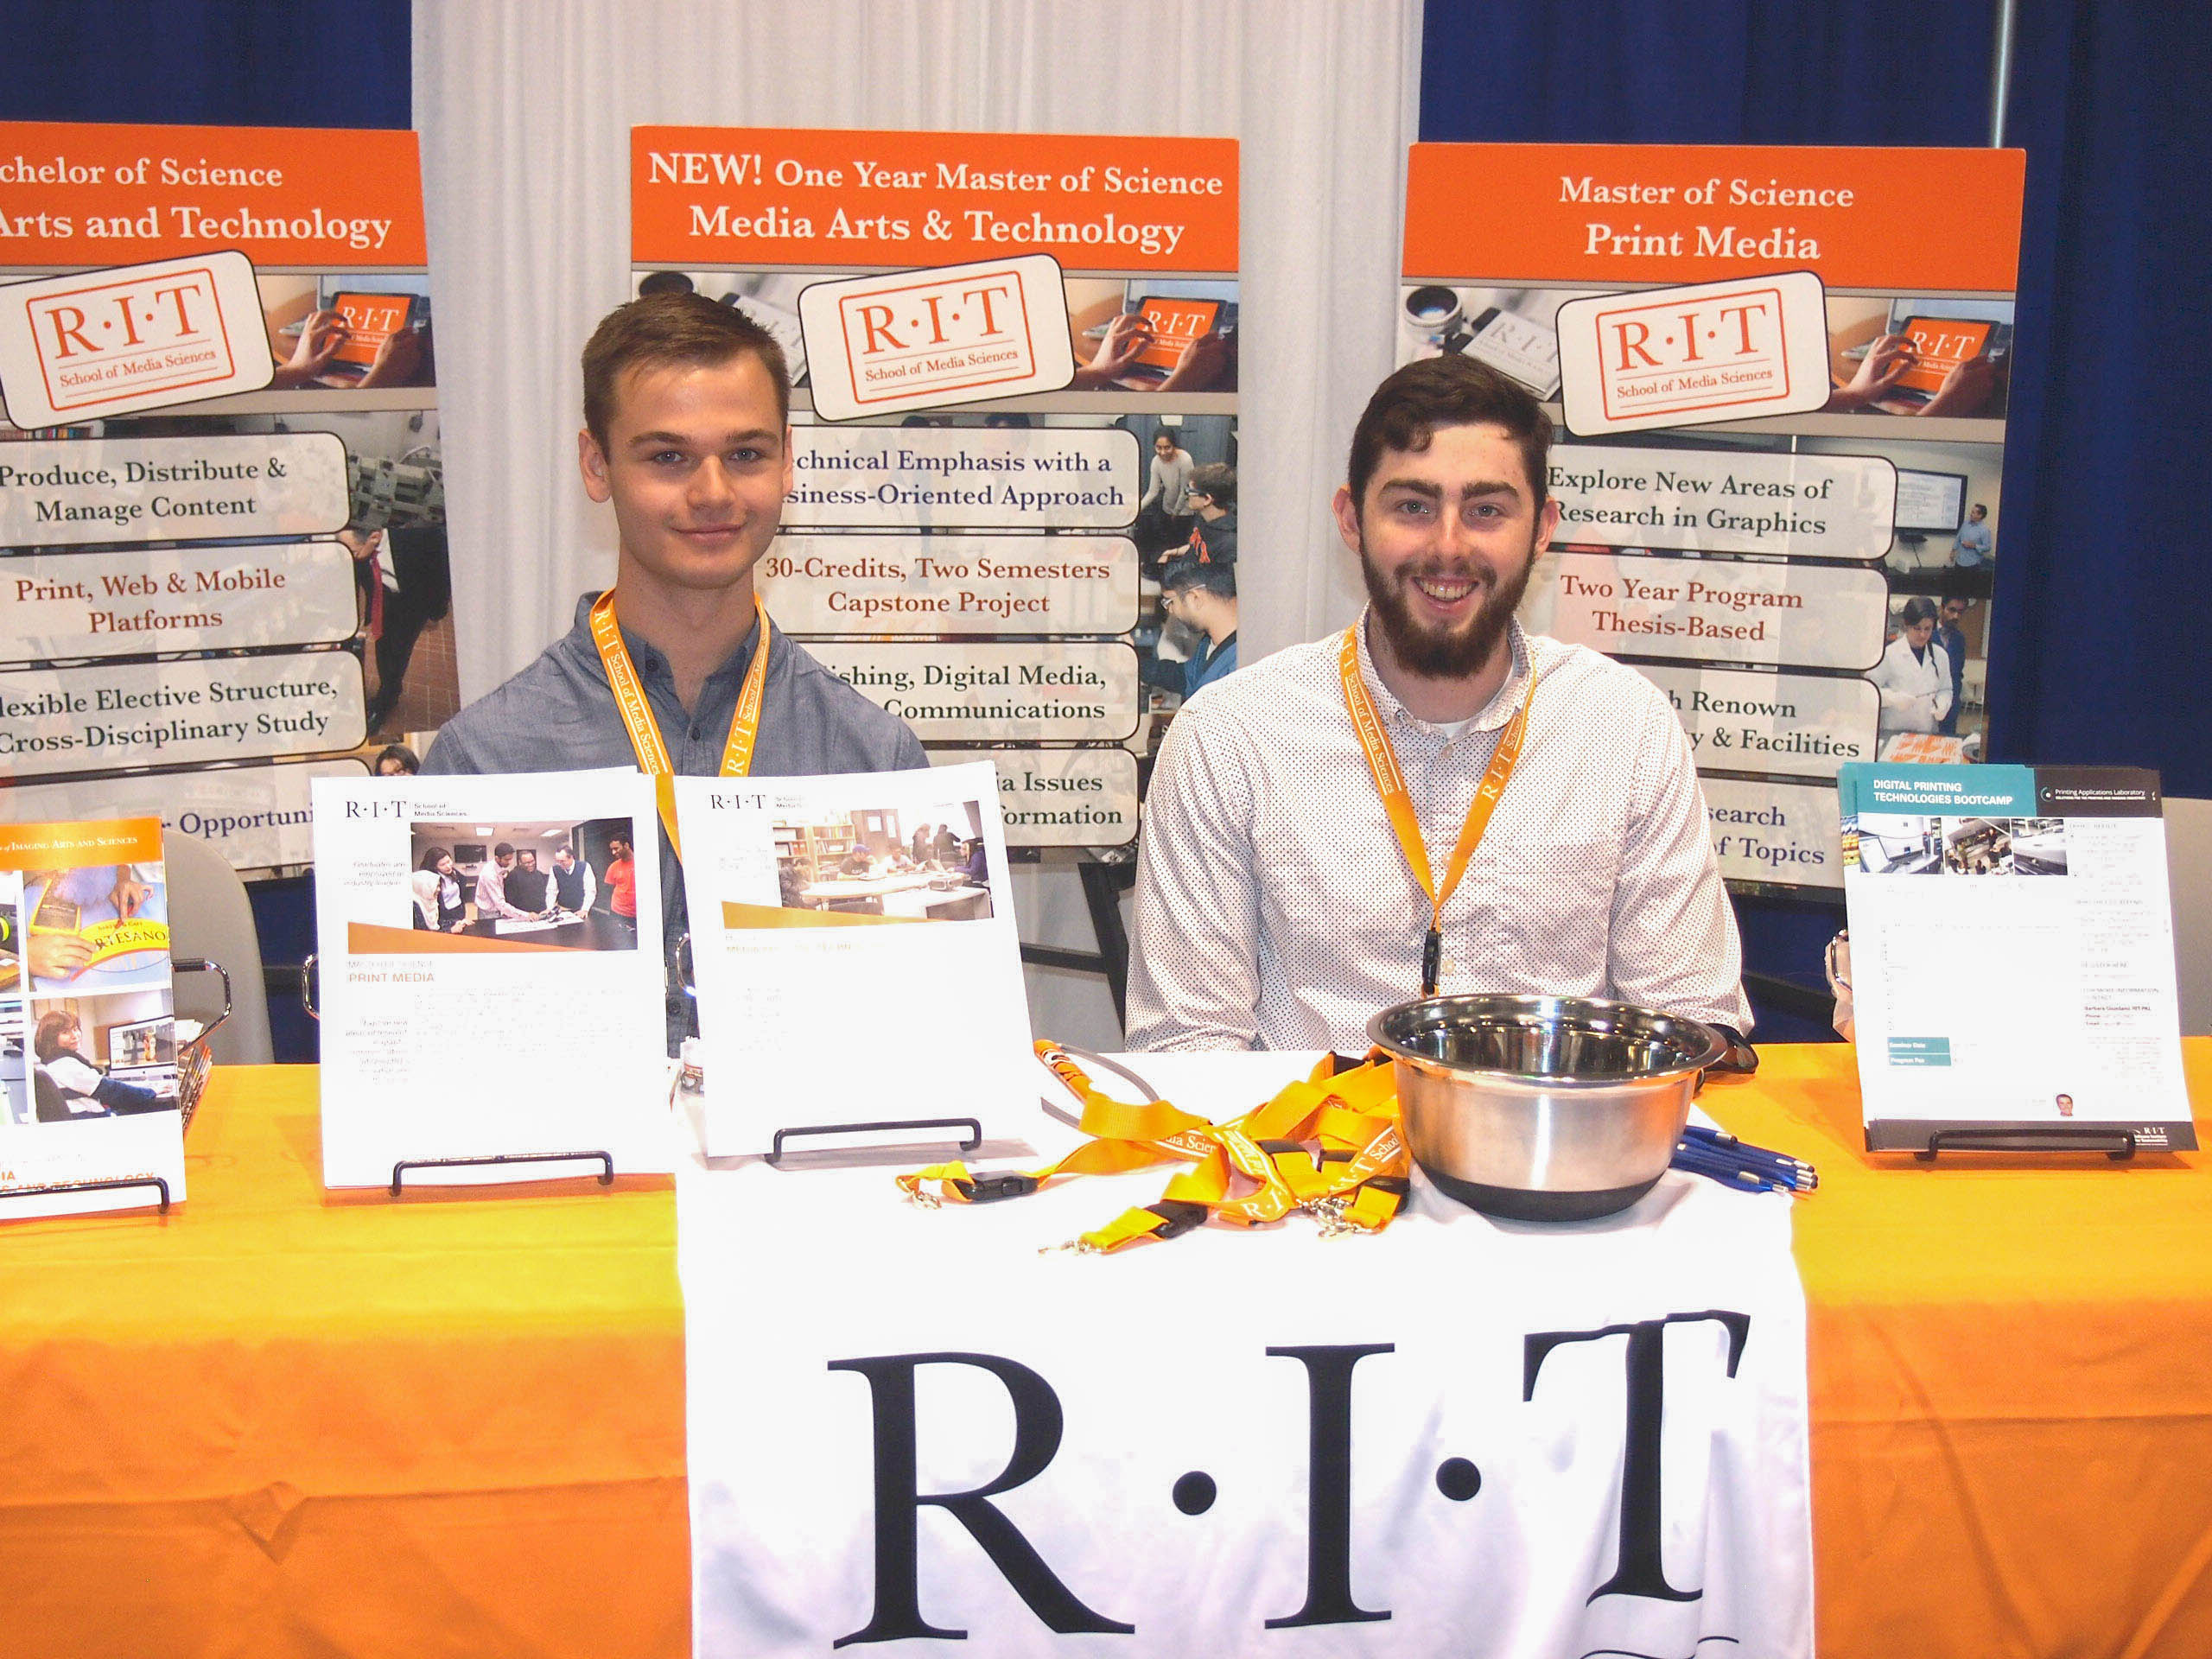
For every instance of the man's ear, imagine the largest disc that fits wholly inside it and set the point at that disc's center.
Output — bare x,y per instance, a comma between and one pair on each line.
1547,523
790,461
591,461
1347,512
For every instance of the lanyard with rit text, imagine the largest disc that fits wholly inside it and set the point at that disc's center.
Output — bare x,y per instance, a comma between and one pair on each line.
645,731
1390,784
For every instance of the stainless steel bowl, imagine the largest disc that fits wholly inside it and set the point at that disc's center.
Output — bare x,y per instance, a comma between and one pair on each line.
1543,1108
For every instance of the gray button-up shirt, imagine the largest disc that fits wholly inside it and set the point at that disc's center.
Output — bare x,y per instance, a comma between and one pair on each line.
558,714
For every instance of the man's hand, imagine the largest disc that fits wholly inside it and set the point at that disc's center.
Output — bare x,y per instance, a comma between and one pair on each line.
1966,390
57,955
1126,336
319,338
1201,367
396,359
1888,359
130,895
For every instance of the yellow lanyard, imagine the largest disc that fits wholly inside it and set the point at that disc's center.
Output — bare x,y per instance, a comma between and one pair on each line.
1329,1146
645,731
1390,784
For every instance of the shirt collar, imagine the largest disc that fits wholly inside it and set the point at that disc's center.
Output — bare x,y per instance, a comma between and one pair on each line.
649,662
1492,714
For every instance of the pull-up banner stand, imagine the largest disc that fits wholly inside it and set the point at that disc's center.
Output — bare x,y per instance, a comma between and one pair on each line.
1780,379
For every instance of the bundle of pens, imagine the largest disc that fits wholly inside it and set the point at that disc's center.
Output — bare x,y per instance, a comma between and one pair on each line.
1731,1162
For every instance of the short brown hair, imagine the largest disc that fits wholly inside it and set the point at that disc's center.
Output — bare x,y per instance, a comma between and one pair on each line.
1407,409
46,1043
1216,481
660,331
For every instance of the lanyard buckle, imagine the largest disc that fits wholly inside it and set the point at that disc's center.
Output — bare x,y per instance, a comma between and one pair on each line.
990,1189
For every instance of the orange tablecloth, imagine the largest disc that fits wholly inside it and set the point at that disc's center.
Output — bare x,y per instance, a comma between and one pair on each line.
282,1423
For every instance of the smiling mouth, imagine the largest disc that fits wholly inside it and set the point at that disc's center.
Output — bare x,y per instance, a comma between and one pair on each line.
1444,590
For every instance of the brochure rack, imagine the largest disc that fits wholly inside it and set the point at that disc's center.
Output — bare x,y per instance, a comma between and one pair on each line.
969,1143
2118,1145
604,1160
121,1185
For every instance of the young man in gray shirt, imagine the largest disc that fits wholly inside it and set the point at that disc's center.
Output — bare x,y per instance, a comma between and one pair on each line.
687,434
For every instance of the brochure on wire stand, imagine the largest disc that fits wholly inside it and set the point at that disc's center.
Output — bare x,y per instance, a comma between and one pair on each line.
857,957
2013,955
88,1076
491,977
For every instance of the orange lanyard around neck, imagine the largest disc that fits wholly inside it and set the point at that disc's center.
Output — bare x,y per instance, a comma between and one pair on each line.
645,731
1390,784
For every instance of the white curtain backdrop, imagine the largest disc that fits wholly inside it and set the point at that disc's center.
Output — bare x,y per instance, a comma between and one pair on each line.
525,111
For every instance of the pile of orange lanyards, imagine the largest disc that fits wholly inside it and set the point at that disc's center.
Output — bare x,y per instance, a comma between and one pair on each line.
1329,1145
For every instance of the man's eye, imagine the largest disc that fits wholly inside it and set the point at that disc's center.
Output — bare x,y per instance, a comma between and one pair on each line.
667,458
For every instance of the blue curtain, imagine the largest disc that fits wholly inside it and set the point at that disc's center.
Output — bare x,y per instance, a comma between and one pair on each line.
239,63
2103,590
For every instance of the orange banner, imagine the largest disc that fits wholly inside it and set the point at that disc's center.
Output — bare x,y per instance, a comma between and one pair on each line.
1947,220
734,198
72,846
310,197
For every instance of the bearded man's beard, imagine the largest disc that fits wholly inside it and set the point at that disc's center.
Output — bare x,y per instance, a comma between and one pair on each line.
1451,654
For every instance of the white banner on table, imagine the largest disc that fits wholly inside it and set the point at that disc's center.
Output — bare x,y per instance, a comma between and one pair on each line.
82,491
256,816
1061,797
1715,610
815,584
1798,725
1775,832
1164,1448
856,953
944,478
206,597
119,715
1726,500
467,1015
88,1066
1040,691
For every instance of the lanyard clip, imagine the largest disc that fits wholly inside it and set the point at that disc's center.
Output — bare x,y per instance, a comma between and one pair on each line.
990,1189
1431,961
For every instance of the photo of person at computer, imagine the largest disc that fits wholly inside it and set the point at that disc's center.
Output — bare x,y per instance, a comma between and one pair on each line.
900,863
546,883
1164,335
90,1056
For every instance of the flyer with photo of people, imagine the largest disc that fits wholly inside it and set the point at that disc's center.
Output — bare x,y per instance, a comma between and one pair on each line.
490,978
854,942
88,1041
2011,967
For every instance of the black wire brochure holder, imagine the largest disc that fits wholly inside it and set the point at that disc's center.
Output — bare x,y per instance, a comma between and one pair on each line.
493,1161
2118,1145
604,1160
969,1143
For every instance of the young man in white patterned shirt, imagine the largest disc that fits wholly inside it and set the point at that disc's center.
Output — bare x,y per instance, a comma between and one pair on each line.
1276,905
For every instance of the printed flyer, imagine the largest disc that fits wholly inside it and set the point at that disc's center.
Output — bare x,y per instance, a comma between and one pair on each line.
1780,397
222,502
1012,575
2013,954
856,955
483,990
88,1043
